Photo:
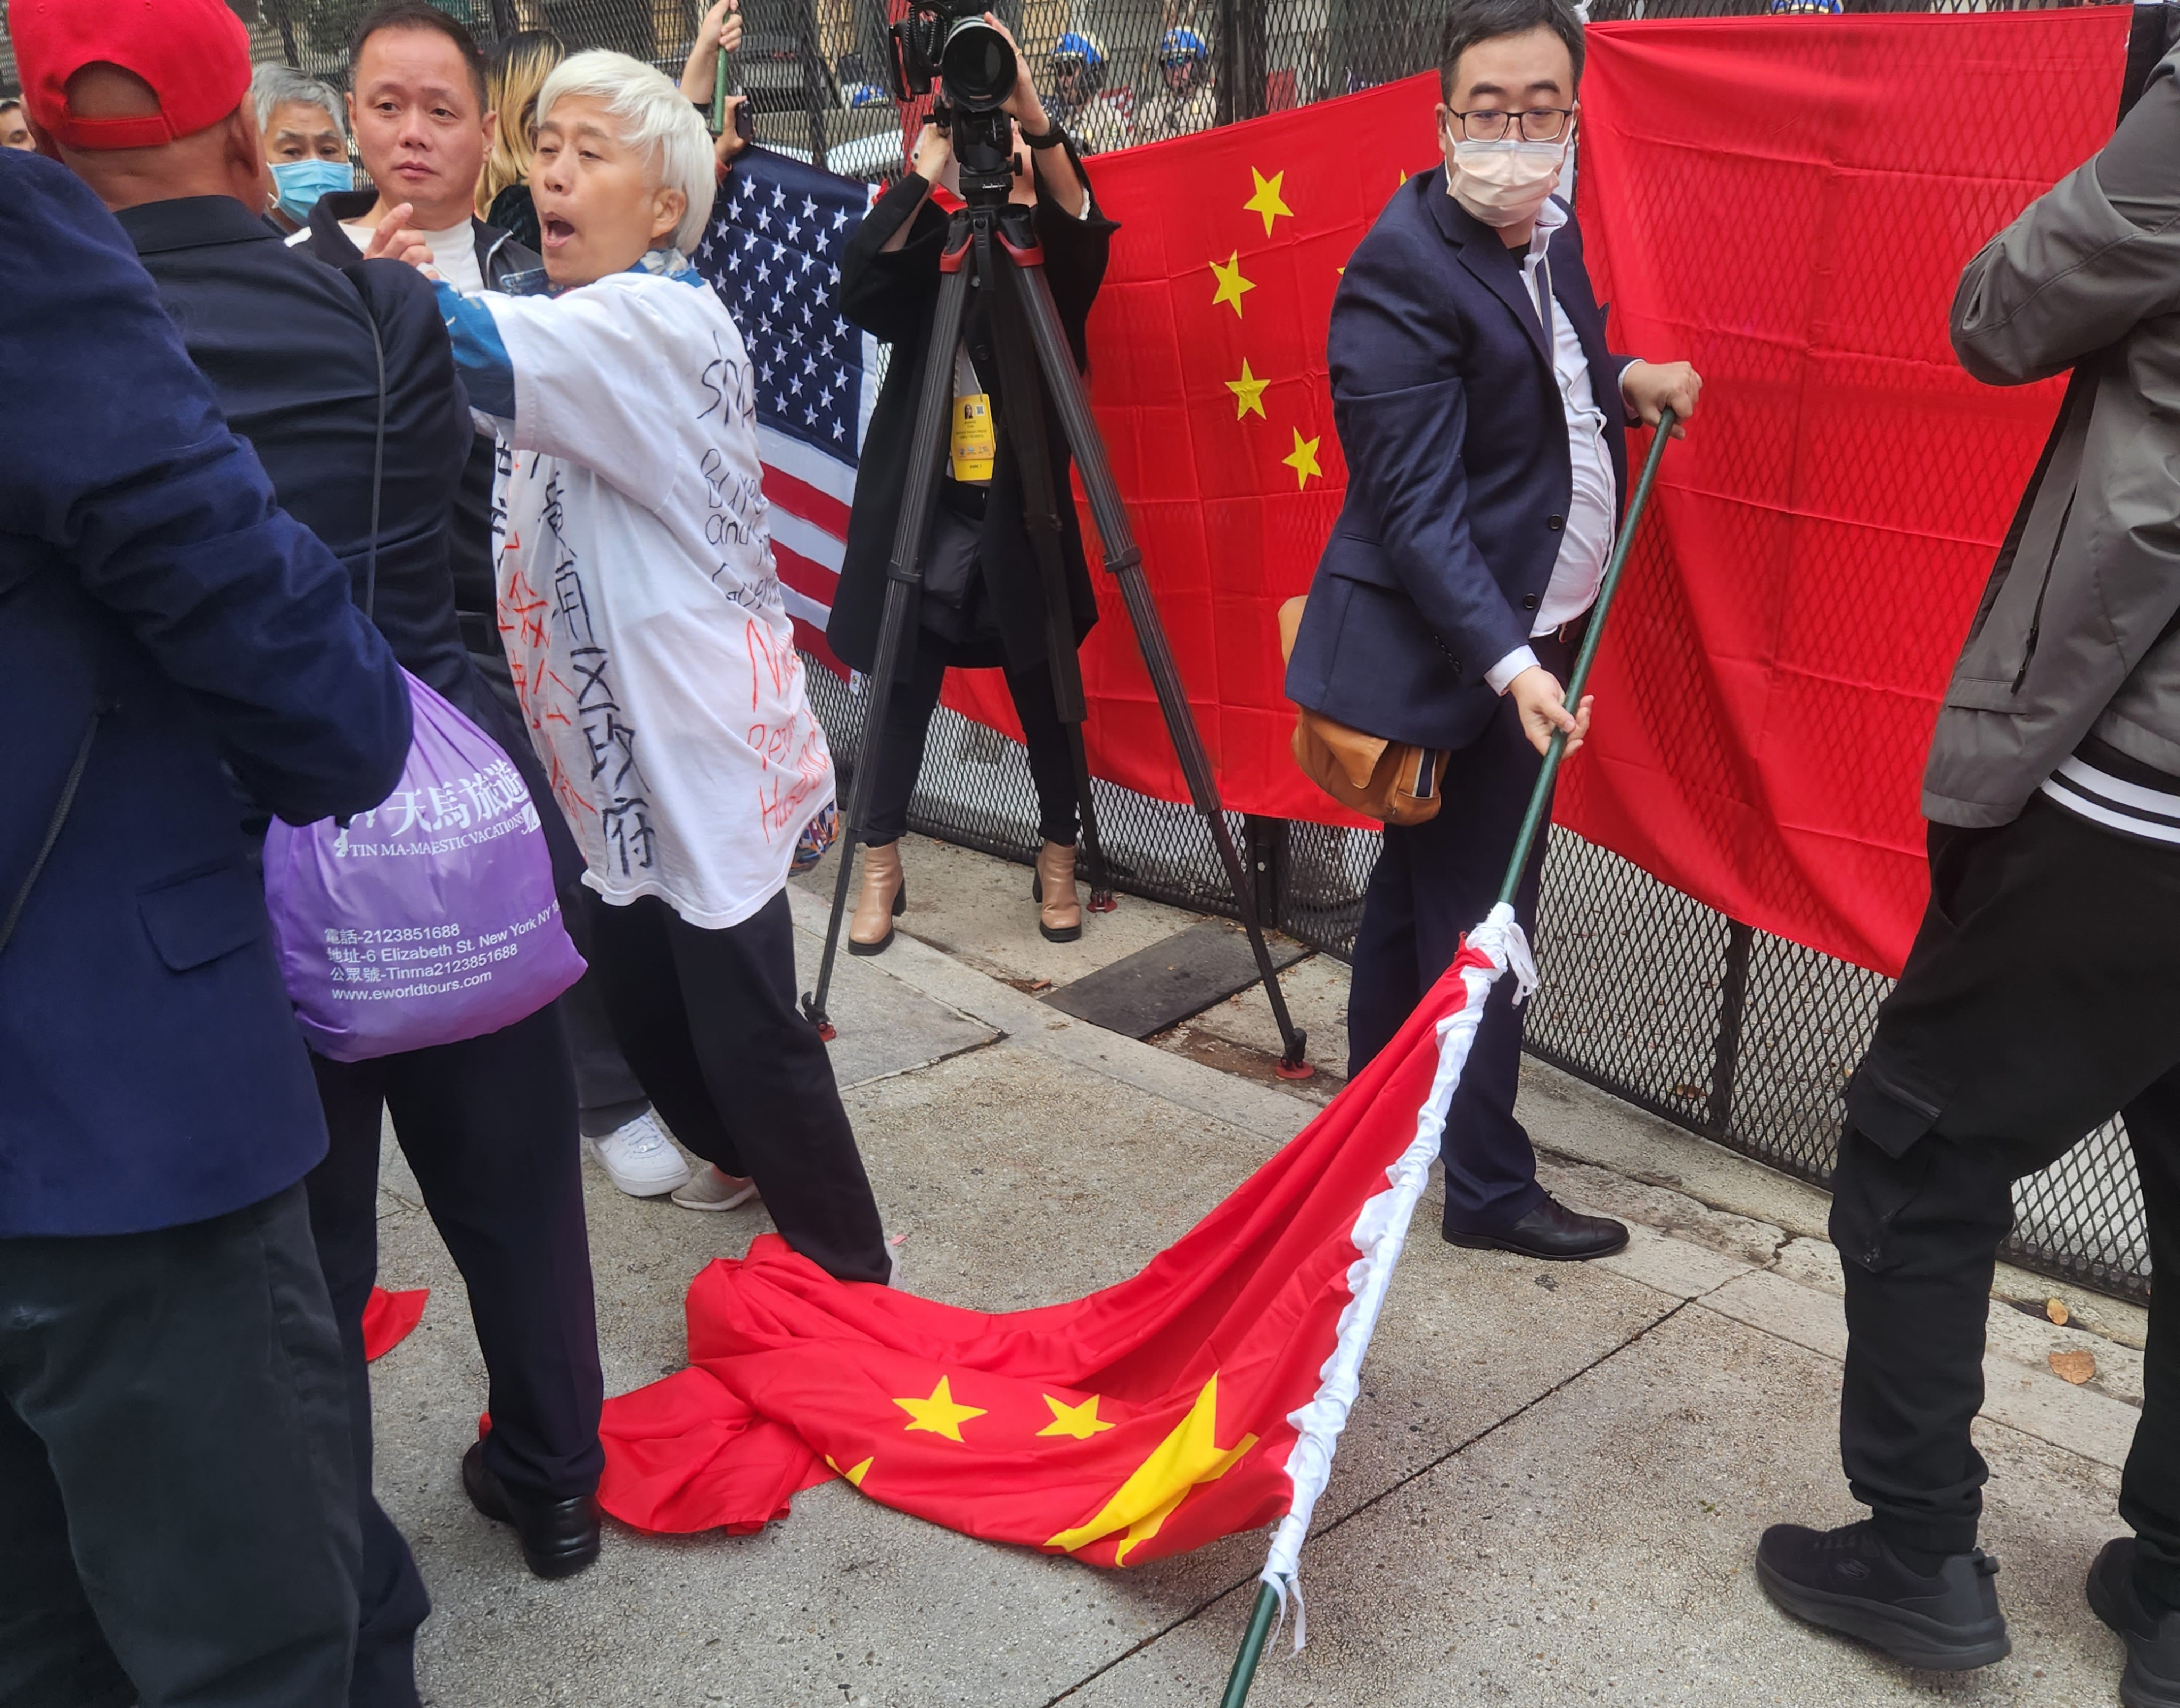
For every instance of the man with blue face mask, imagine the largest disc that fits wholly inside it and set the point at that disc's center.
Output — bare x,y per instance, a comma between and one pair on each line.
305,141
1483,422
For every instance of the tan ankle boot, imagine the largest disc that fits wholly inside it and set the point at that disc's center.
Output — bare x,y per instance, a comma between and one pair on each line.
883,900
1059,911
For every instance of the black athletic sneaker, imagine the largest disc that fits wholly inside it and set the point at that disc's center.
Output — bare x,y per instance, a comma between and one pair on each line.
1849,1581
2152,1678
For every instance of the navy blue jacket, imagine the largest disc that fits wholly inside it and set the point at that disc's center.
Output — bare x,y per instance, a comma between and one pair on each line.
1458,473
286,343
153,596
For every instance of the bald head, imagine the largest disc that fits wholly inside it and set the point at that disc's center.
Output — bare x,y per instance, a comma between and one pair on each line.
225,158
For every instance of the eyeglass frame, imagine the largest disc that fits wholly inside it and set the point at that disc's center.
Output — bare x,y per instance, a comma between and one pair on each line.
1517,119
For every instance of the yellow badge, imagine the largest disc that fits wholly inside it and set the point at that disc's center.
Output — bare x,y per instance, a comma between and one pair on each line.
975,445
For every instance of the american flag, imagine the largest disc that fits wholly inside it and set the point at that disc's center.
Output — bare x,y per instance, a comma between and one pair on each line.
773,253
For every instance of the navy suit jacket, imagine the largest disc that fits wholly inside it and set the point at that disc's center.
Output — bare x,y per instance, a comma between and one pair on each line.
153,596
1458,473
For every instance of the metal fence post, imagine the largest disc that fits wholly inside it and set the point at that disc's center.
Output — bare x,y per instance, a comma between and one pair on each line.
1732,1009
1264,852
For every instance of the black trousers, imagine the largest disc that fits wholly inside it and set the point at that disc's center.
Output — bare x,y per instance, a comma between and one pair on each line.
177,1502
2038,999
908,724
488,1127
708,1020
1433,883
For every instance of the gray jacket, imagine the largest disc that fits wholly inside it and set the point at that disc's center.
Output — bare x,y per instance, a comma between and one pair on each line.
2076,634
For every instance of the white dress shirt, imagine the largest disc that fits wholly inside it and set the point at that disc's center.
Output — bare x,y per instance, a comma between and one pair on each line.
1586,540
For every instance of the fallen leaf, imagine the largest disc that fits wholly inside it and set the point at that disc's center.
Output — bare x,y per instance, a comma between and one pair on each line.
1685,1089
2055,1309
2076,1367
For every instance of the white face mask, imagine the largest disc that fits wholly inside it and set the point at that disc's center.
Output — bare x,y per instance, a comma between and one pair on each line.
1504,183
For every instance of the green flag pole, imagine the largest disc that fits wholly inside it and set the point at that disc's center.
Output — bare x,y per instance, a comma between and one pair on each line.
1532,823
720,77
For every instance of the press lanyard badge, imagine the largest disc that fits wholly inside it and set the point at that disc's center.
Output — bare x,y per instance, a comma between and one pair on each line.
975,443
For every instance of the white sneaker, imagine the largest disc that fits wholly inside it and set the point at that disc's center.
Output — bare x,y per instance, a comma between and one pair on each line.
712,1189
640,1159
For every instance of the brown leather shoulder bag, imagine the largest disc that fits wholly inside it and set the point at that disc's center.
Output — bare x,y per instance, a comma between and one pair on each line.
1394,781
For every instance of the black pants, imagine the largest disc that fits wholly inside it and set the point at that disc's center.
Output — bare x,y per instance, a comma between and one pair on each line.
488,1127
2039,999
708,1020
908,724
1433,883
177,1503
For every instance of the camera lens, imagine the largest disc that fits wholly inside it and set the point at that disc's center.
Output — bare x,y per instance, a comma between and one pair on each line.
977,64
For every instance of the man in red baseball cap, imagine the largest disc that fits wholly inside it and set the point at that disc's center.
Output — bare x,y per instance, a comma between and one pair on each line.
194,55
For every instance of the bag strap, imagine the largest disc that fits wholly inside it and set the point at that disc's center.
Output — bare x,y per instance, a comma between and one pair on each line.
377,467
53,826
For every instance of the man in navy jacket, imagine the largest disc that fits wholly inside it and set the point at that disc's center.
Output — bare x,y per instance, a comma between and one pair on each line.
176,1495
1482,419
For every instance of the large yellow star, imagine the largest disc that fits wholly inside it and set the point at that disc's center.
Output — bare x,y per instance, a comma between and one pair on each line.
1302,459
1141,1505
1080,1421
1248,392
1231,284
1266,202
939,1414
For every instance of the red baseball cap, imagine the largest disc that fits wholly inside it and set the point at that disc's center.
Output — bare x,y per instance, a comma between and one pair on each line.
194,53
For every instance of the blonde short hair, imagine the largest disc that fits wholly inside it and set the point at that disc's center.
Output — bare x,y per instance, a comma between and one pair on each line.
656,119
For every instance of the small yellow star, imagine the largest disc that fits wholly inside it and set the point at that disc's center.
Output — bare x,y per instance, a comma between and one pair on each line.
1231,284
853,1473
1266,202
939,1415
1302,459
1248,392
1080,1421
1404,176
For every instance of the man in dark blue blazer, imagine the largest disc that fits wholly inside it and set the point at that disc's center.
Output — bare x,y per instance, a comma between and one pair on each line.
1483,420
178,1518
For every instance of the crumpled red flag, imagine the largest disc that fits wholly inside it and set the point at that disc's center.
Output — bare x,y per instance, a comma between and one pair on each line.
1141,1421
389,1318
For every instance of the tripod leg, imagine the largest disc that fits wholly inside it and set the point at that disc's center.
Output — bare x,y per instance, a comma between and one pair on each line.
1018,375
904,580
1125,558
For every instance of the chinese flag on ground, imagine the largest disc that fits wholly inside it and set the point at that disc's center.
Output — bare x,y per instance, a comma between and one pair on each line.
1203,1396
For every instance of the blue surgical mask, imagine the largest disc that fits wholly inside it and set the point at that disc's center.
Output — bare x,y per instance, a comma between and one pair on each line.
299,183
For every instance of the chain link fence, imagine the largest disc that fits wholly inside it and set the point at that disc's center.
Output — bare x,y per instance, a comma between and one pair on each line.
1732,1034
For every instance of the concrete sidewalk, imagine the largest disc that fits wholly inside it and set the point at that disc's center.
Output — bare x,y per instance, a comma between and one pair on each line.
1551,1490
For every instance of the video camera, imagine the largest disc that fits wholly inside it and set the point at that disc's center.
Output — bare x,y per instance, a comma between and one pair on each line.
949,40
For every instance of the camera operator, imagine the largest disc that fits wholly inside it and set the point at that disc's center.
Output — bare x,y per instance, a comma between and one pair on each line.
984,604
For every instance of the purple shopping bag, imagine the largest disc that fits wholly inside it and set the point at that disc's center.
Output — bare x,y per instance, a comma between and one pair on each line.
431,918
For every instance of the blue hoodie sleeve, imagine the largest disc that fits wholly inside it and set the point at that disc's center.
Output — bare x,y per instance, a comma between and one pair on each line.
124,470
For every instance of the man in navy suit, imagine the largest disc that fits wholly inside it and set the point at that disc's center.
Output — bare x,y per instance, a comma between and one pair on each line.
1483,424
177,1513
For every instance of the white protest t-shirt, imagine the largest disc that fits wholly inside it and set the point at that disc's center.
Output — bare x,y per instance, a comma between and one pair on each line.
638,598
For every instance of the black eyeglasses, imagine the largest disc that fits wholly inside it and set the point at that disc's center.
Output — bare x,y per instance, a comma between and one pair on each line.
1538,124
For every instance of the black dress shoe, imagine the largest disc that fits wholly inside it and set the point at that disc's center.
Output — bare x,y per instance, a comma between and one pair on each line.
2152,1678
559,1538
1849,1581
1553,1232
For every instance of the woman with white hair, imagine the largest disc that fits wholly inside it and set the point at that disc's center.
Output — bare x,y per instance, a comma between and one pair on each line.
653,655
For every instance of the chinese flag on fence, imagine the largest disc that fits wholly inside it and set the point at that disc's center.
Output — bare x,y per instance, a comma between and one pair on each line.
1141,1421
1785,201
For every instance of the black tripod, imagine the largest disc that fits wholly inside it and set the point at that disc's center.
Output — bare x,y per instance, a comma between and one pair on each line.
994,242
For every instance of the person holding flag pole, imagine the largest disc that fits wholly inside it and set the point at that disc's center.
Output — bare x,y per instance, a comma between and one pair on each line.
1475,402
